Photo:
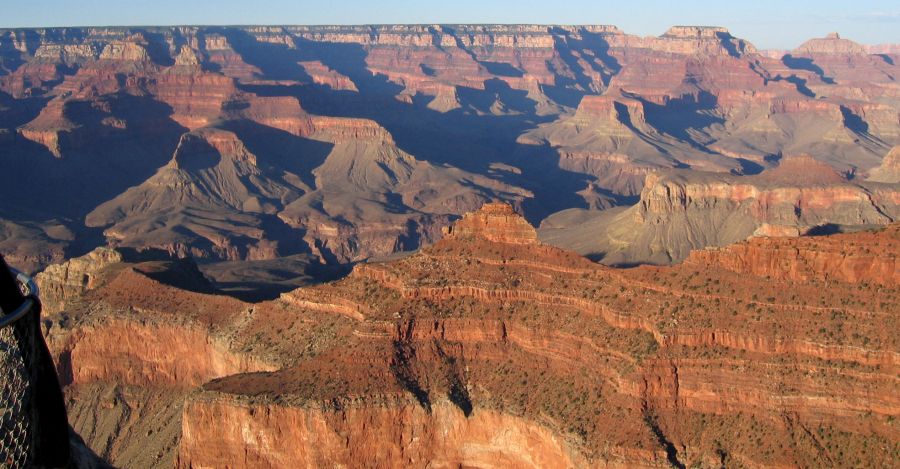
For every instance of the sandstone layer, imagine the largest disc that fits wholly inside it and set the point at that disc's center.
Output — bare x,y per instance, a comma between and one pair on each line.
421,360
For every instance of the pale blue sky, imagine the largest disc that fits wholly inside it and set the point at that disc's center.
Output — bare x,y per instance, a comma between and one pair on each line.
766,23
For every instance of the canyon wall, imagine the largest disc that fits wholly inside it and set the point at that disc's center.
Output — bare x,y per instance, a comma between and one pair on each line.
477,332
229,143
680,211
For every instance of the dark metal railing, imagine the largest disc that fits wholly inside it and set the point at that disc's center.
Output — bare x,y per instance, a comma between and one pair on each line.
29,291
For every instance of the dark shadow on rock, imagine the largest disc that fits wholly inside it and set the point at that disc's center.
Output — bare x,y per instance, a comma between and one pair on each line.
825,230
410,240
626,264
475,99
454,373
680,115
134,255
581,80
749,167
600,46
196,154
798,82
596,256
561,95
624,116
671,451
404,370
290,239
86,240
727,42
182,274
100,159
460,138
804,63
167,269
157,48
276,149
496,92
428,71
854,122
512,99
82,456
10,57
276,61
887,58
18,112
264,280
773,159
501,69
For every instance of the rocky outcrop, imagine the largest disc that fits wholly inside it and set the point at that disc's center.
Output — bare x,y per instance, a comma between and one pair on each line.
842,61
614,116
812,192
211,171
681,211
73,278
67,53
830,44
801,170
702,39
324,75
340,130
127,51
267,435
197,99
846,257
187,58
496,222
145,354
50,129
889,170
513,319
129,349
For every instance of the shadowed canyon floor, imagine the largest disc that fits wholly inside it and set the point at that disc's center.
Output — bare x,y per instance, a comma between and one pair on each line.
492,349
330,145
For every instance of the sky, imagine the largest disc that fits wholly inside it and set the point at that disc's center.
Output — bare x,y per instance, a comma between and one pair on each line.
769,24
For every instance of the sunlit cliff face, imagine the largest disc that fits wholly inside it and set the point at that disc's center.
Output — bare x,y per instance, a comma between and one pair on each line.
424,358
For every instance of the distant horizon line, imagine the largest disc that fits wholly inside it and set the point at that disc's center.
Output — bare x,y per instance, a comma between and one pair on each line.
245,25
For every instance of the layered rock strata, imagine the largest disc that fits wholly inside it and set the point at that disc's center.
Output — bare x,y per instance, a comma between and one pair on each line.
679,211
421,359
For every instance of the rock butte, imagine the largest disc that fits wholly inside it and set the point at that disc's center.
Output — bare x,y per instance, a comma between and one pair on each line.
496,222
421,360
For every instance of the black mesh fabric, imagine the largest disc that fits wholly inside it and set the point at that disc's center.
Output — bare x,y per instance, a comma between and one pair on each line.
33,424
